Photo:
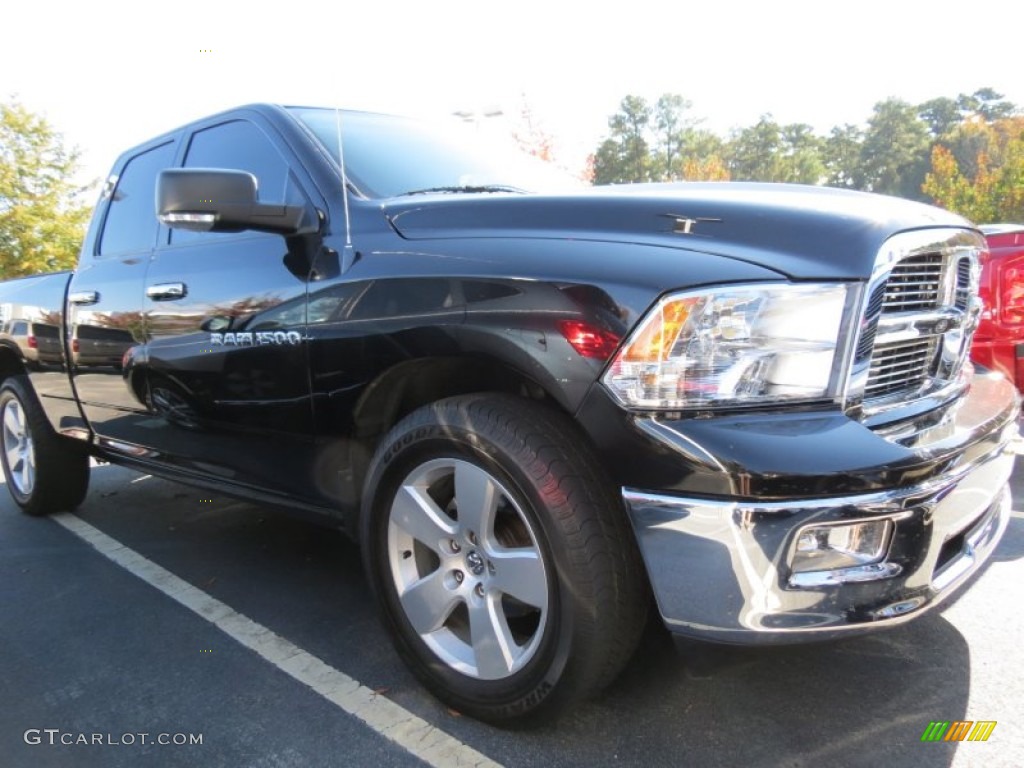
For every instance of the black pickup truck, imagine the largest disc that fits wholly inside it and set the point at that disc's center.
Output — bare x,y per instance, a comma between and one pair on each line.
536,412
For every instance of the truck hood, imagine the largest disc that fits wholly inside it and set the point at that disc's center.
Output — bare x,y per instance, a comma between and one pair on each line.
801,231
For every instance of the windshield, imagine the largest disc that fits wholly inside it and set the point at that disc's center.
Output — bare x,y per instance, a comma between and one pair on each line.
387,156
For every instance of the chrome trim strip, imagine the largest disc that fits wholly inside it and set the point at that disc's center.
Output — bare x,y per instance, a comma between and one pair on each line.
913,325
876,504
861,573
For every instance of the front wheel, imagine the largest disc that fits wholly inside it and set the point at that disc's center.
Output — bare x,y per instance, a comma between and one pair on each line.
501,558
44,472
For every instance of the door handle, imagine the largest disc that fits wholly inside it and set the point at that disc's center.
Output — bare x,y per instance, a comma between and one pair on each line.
84,297
167,291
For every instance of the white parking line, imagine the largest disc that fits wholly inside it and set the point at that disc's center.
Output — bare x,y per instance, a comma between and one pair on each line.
412,733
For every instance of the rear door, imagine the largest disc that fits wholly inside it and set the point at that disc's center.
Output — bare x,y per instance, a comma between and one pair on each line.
106,294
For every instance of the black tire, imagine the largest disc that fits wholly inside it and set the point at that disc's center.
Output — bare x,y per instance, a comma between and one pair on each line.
44,472
540,607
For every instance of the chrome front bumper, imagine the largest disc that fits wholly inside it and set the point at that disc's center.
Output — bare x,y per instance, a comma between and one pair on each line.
720,569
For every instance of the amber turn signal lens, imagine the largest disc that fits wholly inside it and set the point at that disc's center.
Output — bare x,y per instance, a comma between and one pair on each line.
655,340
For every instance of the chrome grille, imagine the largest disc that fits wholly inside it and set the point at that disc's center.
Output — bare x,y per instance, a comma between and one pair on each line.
963,283
871,315
899,366
914,284
918,318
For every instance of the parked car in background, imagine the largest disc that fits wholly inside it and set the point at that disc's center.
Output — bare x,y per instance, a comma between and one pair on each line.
999,341
38,344
94,345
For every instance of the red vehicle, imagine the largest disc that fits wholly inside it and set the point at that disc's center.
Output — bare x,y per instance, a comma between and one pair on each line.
999,341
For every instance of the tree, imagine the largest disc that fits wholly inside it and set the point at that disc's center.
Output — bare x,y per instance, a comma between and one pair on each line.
625,155
894,156
841,157
702,155
945,115
42,218
706,168
672,126
890,155
682,151
754,152
587,174
941,115
610,166
986,104
768,151
531,136
992,188
802,161
967,143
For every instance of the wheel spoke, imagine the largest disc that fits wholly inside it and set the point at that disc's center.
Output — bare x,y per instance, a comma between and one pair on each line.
26,476
416,513
476,498
492,642
12,420
428,603
520,573
13,455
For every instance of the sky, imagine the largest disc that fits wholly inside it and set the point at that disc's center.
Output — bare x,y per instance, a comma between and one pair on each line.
110,74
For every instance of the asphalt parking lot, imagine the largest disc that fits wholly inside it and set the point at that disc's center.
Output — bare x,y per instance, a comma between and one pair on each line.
255,632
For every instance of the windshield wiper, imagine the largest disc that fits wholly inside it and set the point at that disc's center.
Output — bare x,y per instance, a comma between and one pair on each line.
479,189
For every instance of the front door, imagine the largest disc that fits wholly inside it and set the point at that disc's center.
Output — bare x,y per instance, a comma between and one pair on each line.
226,356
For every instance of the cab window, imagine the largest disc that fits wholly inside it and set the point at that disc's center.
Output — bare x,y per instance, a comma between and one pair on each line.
242,146
131,223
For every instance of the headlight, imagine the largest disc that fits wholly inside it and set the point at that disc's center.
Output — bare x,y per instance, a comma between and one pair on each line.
733,346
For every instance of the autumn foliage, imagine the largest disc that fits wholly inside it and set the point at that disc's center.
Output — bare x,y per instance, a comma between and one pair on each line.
986,183
42,220
964,153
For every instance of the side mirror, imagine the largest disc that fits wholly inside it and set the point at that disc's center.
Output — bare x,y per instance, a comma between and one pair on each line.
213,200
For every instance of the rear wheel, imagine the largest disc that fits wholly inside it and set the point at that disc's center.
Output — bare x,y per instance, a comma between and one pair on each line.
502,560
44,472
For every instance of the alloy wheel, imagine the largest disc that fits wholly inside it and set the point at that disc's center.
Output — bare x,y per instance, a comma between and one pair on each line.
469,574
